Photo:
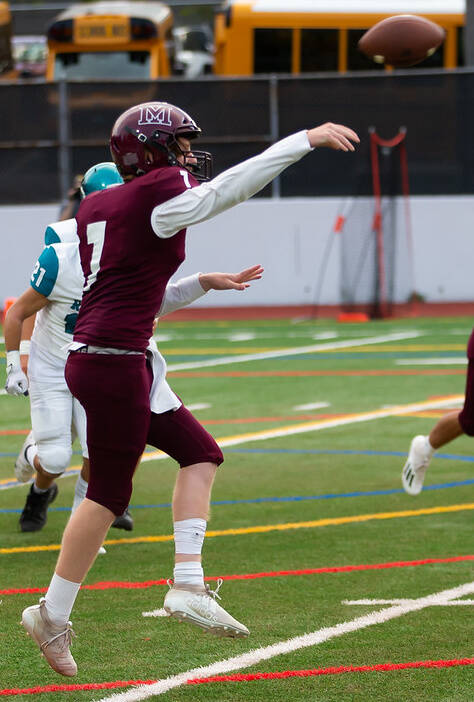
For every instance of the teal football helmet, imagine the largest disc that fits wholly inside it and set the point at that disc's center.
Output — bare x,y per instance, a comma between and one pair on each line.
99,177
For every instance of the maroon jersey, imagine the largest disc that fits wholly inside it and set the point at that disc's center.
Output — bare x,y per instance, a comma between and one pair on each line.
125,264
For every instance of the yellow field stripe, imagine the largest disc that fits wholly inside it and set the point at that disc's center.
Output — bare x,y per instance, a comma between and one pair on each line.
401,347
332,521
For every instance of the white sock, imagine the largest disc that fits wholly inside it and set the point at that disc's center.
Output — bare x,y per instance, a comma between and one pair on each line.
39,491
188,573
30,454
189,535
79,493
429,449
60,599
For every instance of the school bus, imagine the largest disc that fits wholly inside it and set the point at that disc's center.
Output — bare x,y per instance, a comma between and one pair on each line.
108,39
300,36
6,59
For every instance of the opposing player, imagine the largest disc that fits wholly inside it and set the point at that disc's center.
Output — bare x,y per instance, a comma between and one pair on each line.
446,429
132,240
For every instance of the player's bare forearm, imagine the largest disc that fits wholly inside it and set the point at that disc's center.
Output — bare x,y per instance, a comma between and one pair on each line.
12,330
22,309
27,327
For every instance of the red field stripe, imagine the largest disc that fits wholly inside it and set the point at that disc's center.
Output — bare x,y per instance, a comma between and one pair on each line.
381,667
13,432
239,677
116,585
282,374
72,688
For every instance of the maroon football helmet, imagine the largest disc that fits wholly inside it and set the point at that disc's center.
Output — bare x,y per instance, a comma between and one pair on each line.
144,137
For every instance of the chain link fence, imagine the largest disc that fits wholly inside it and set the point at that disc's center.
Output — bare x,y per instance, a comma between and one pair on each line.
50,131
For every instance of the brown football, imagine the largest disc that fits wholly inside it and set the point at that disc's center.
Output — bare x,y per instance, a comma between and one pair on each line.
401,40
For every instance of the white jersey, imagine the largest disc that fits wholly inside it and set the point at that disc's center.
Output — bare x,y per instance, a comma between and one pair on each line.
177,295
58,276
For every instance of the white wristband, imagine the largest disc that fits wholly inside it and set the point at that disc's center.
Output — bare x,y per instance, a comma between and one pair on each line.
25,347
13,358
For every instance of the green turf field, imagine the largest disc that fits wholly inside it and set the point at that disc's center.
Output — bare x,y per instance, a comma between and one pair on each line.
314,443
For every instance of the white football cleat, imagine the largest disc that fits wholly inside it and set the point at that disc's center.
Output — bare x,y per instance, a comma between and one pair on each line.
23,470
198,605
413,473
53,641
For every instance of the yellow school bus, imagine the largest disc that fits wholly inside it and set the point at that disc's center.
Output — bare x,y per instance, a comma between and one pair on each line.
6,60
300,36
108,39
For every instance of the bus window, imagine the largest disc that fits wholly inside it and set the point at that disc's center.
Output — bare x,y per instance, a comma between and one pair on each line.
319,50
460,43
255,36
109,39
103,65
272,51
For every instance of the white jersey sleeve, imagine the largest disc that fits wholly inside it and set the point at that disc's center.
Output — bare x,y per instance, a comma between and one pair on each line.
58,276
64,232
229,188
181,293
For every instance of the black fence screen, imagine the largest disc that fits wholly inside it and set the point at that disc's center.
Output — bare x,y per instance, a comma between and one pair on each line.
49,133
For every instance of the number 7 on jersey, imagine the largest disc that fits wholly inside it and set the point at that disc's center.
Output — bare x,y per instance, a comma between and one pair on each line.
95,235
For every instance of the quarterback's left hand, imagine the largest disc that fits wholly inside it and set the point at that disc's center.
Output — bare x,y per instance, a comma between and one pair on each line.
230,281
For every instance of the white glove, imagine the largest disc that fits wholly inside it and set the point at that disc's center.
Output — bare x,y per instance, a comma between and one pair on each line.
17,382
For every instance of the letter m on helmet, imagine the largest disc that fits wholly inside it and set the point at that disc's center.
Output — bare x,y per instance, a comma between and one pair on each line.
155,113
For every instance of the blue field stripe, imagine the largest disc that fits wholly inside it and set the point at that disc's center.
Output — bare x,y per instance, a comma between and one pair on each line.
296,498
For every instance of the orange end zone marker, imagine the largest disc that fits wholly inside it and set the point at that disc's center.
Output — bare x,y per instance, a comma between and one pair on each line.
6,306
353,317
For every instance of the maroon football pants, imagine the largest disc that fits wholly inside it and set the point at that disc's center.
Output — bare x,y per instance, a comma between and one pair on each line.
466,416
114,391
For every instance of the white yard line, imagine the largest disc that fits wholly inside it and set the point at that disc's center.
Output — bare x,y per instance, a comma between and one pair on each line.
242,336
278,353
198,406
325,335
311,406
251,658
156,613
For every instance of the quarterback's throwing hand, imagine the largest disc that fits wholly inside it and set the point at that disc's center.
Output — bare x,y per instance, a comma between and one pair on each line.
334,136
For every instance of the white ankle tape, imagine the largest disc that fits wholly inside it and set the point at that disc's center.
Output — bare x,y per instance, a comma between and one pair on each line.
189,535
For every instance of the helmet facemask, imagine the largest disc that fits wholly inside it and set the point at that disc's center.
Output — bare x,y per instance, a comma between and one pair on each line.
201,169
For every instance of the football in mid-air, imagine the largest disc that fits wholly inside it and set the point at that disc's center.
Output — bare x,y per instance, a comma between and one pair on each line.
401,40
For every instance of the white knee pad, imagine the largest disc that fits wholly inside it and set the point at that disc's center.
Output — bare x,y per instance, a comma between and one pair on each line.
53,456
